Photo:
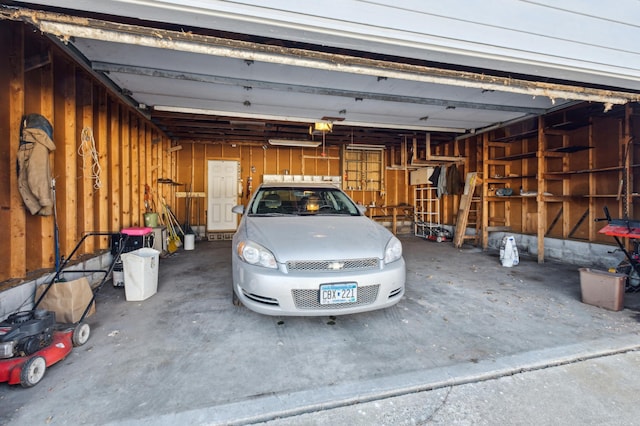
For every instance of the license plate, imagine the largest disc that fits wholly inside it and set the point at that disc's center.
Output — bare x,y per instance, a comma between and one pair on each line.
338,293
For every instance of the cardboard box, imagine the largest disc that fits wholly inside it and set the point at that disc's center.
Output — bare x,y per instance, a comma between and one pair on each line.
602,289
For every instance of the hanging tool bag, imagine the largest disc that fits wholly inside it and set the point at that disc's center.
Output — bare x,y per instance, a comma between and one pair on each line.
34,170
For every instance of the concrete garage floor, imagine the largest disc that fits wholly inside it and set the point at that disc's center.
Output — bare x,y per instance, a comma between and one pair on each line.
467,332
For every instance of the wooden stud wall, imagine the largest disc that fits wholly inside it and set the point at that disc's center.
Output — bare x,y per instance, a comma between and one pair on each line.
255,161
131,152
579,183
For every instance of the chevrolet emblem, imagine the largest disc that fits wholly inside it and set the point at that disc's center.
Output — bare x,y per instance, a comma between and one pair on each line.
335,266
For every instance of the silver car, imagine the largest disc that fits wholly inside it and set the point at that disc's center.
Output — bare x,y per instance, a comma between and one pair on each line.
306,249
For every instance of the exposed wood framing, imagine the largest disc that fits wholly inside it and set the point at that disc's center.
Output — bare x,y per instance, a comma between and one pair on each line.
12,109
592,187
540,198
130,150
626,140
101,133
38,83
84,136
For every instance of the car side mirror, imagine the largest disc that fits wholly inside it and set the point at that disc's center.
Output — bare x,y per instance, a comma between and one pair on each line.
363,209
239,209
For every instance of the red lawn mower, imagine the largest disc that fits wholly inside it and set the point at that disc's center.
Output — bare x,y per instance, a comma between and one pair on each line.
31,341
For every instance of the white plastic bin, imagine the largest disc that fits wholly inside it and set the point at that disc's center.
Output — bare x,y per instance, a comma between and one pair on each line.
140,273
189,241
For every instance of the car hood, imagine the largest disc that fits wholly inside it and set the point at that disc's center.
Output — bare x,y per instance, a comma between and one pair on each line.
318,237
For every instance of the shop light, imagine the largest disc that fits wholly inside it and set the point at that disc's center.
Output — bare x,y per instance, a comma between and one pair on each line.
363,147
293,142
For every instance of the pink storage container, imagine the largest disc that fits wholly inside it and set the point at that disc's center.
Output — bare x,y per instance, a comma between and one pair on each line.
137,231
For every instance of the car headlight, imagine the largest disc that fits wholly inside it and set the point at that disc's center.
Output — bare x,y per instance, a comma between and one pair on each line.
255,254
393,251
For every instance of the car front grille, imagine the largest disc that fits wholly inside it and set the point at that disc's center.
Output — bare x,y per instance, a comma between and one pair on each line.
310,299
333,265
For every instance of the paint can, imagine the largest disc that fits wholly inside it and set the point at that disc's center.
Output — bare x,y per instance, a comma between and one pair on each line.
151,220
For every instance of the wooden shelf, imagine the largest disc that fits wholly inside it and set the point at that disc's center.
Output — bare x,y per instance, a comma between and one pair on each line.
634,195
502,179
578,172
544,156
561,150
555,198
514,157
518,136
559,128
545,198
565,126
505,198
570,149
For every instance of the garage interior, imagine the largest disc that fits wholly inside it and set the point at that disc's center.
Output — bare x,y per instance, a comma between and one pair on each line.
142,110
148,100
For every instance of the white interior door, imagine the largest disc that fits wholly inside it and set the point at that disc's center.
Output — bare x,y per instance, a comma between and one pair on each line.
222,195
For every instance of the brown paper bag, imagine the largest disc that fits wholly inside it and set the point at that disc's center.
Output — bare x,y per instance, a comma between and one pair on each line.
68,299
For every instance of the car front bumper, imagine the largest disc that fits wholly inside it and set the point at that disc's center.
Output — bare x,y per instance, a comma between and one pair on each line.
273,292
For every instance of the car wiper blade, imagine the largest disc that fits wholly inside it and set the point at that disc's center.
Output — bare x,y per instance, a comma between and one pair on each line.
269,214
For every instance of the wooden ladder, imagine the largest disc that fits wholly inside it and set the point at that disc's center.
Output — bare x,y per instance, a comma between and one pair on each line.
468,199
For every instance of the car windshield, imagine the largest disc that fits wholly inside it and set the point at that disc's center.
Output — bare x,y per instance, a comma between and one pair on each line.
279,201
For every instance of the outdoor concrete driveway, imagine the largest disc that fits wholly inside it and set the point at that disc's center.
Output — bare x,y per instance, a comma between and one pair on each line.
188,356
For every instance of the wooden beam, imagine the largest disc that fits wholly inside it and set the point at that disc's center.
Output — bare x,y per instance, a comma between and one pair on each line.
125,167
136,187
12,212
541,207
627,141
39,230
65,169
85,141
115,165
101,134
484,142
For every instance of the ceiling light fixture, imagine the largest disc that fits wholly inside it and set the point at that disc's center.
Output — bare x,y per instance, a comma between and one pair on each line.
293,142
364,147
322,126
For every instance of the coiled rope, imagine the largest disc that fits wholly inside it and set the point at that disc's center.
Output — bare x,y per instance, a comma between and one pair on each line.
88,144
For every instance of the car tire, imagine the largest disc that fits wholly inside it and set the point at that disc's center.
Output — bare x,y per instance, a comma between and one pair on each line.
32,371
81,334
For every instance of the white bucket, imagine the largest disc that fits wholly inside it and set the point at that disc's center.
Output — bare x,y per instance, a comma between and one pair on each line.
189,241
118,278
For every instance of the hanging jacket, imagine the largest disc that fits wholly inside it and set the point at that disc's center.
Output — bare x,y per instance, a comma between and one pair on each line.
442,182
34,171
454,181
